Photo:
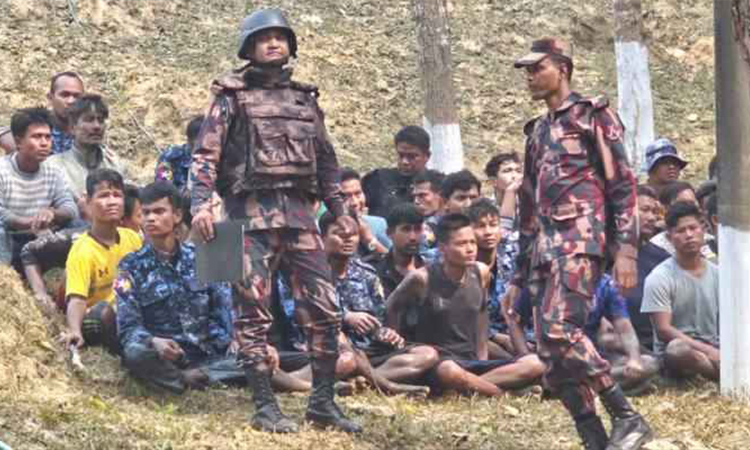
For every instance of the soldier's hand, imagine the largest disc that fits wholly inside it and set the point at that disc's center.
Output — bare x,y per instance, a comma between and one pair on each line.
204,223
625,272
347,223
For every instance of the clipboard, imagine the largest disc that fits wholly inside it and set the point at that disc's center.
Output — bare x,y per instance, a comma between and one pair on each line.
222,258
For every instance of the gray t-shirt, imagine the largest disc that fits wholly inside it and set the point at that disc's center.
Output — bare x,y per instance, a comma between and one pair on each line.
693,302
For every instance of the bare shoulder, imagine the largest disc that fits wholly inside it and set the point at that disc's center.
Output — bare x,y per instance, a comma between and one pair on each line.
484,271
417,278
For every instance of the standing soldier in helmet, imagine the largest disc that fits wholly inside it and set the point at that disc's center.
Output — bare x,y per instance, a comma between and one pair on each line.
265,149
577,206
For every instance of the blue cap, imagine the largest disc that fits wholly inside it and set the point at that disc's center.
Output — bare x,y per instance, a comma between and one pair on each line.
660,149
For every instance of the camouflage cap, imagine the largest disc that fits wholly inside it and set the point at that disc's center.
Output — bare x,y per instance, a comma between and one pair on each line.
542,48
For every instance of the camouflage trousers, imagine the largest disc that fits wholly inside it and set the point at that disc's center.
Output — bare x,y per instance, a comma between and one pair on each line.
299,255
563,295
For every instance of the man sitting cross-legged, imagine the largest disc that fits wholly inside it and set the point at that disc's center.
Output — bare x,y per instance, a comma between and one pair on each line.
174,330
360,295
451,299
682,298
91,268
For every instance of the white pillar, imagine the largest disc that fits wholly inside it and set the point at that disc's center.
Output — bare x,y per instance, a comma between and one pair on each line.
445,146
733,141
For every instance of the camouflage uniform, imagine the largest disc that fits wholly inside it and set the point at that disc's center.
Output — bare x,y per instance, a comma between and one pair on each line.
502,273
265,149
577,206
164,299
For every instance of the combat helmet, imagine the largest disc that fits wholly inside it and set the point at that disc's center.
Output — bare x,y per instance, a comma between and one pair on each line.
264,19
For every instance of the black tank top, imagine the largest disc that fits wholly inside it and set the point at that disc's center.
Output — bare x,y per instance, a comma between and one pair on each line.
450,312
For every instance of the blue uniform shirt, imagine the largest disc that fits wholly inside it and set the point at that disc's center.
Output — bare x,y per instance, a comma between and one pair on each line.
173,165
608,304
502,273
61,141
164,299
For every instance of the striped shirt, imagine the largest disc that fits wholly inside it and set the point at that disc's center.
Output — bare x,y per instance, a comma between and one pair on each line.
24,195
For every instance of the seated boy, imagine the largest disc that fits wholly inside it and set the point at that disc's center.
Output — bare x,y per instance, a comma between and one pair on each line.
51,249
91,268
451,300
174,330
499,255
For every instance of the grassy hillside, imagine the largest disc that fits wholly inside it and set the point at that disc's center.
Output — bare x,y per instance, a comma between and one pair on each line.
153,60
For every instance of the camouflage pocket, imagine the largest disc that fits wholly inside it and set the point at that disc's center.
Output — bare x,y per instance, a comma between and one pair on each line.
285,138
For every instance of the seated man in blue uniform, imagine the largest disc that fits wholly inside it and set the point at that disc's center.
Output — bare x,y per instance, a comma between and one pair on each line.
175,331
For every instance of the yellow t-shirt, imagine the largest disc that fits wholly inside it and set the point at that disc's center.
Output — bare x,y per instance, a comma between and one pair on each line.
91,268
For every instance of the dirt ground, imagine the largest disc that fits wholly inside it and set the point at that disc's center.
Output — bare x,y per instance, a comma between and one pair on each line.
153,61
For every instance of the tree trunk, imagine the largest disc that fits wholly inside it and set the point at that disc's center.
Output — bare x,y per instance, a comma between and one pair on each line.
635,105
732,42
440,112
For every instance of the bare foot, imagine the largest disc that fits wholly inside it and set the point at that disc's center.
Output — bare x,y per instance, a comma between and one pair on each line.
344,388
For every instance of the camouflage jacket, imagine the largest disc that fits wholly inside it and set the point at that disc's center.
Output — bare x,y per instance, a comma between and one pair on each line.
164,299
578,190
265,149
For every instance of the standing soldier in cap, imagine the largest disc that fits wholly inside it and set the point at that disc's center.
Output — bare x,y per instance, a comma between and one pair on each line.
577,206
265,149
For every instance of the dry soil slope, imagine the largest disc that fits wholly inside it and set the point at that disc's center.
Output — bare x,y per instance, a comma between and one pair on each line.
153,60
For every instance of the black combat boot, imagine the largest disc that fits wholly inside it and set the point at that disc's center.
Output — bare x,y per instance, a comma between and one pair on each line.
592,433
588,424
629,430
268,415
321,409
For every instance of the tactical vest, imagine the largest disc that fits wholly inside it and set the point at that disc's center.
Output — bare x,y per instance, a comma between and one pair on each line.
281,139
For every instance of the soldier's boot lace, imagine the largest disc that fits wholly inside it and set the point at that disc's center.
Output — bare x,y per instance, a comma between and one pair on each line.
268,416
322,411
629,430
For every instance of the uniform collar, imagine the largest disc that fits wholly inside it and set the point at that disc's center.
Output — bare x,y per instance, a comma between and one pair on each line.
572,99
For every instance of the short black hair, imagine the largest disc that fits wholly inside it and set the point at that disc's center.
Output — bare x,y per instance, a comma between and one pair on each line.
713,168
413,135
463,180
131,194
678,210
26,117
563,61
434,177
493,165
57,76
712,205
646,191
673,190
325,222
158,190
450,223
404,214
86,103
482,207
194,127
103,175
705,189
347,173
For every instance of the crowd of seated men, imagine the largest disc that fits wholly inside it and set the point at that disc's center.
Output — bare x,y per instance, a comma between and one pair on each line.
419,283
